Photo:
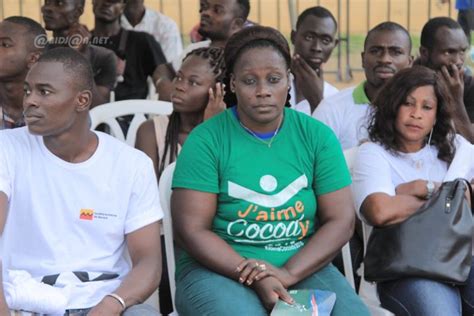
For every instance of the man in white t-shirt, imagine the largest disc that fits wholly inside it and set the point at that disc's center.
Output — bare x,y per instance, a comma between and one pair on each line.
137,17
76,200
219,19
387,49
314,40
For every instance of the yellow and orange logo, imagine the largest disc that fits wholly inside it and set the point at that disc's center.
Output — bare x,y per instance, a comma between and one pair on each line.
86,214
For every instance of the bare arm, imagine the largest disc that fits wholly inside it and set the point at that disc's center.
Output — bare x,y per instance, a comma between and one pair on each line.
192,213
381,209
146,142
3,304
3,216
3,210
337,216
145,251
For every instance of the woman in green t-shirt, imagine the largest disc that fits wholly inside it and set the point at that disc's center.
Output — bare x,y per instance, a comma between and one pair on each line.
261,201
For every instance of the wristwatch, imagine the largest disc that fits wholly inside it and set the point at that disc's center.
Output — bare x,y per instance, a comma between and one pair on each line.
430,186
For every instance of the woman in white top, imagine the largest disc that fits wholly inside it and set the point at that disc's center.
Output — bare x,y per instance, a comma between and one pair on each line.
413,149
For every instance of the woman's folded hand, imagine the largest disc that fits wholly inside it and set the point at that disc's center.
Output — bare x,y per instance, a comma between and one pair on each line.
252,270
270,290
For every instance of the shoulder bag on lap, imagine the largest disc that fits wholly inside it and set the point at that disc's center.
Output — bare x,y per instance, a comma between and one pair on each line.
434,243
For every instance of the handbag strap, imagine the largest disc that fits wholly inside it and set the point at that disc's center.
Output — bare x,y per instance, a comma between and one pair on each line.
469,187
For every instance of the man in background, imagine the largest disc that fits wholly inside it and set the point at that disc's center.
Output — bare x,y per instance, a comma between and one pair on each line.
219,19
62,18
19,50
443,47
137,17
138,52
314,39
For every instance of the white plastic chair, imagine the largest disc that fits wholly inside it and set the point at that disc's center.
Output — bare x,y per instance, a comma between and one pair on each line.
347,263
108,113
165,197
367,290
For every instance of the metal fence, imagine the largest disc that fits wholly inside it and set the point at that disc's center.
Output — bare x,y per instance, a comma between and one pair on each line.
355,17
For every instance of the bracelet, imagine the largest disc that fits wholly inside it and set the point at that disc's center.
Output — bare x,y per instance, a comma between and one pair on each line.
119,299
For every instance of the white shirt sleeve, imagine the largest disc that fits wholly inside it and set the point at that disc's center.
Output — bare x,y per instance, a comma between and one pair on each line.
5,172
144,206
371,174
326,113
169,38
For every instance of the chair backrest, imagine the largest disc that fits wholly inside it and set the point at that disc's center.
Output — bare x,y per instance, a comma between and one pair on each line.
367,291
346,252
165,197
109,112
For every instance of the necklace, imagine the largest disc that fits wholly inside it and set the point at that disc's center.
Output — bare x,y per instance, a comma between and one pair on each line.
268,143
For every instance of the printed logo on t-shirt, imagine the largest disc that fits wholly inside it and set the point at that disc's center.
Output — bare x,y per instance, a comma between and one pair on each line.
86,214
276,220
89,215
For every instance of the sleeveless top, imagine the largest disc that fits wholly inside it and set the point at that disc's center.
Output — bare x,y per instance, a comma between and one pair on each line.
161,124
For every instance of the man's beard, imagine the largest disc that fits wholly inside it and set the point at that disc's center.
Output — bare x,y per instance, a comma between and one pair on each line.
213,36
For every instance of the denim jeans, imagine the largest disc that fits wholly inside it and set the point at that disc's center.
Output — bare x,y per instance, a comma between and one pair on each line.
200,291
417,296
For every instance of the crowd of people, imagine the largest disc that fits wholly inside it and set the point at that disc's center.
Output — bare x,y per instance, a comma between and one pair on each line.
263,200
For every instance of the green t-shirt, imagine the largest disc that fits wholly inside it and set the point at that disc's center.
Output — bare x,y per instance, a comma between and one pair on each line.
266,195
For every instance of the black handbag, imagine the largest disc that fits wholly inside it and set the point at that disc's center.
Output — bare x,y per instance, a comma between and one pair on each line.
434,243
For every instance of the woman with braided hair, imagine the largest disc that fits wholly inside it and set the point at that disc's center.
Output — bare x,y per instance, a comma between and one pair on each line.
197,95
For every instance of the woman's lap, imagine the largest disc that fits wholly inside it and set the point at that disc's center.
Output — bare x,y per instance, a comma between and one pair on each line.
200,291
330,279
417,296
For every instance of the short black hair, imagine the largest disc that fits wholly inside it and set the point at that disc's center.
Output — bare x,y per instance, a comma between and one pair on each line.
318,11
33,28
428,33
74,63
387,26
244,9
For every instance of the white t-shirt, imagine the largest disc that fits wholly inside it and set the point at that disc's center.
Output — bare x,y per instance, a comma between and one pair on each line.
377,170
66,217
163,29
177,61
303,105
347,117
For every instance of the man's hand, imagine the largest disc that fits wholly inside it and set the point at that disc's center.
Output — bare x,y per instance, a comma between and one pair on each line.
216,104
454,78
308,81
269,290
109,306
252,270
79,37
